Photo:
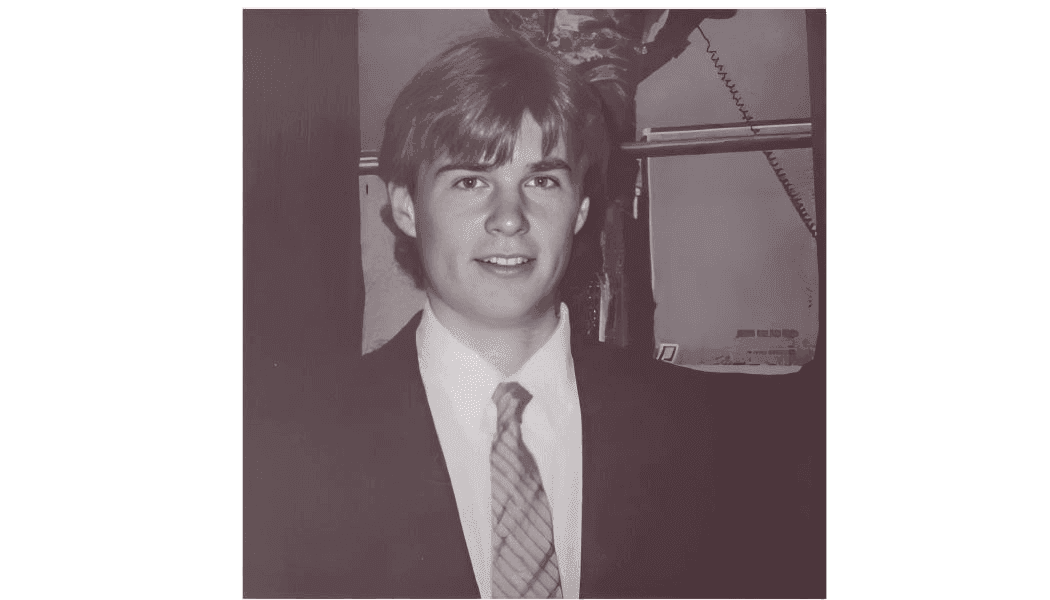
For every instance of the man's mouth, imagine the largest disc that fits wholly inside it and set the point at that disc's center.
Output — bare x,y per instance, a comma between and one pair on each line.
506,261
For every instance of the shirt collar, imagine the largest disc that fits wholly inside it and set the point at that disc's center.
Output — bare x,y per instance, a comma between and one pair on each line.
549,373
465,379
468,380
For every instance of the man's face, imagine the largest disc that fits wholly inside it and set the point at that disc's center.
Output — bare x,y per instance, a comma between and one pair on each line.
496,241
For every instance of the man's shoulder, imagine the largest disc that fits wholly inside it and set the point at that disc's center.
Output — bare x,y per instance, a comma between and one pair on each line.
628,365
394,363
626,384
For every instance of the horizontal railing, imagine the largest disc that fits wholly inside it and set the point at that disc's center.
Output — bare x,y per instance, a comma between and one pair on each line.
706,139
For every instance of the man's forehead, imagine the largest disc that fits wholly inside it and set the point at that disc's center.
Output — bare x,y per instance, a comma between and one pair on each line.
531,154
494,141
554,160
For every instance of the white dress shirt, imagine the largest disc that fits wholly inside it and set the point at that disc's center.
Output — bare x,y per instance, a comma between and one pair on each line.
459,385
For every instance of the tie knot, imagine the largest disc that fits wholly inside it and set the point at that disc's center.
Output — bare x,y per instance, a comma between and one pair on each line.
510,398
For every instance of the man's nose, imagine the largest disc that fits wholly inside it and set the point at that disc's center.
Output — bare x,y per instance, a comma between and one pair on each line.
508,213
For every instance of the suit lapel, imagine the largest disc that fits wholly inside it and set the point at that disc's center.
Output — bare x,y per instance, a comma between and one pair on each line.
434,547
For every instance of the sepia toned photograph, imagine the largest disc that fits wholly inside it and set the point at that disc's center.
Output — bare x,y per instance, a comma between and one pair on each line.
534,303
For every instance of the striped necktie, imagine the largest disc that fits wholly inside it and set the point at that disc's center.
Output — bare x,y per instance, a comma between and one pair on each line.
524,564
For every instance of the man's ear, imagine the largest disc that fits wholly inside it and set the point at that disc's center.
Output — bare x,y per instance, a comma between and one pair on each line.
402,208
581,216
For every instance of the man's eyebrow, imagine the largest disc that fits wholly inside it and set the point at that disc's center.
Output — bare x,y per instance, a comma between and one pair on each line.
550,164
464,166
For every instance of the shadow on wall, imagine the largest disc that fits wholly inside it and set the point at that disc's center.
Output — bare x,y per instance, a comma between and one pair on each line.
302,277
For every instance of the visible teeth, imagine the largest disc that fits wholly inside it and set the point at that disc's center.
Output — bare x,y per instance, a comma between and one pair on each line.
506,262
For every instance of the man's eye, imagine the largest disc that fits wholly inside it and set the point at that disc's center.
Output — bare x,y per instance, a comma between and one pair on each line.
545,182
468,183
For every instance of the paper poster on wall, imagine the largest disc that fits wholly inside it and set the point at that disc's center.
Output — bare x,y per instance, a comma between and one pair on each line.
734,264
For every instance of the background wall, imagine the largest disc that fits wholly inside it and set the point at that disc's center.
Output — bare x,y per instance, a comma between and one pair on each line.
729,250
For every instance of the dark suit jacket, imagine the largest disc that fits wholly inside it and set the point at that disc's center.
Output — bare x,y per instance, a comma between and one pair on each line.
347,493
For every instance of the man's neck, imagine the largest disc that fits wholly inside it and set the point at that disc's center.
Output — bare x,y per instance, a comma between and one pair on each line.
506,347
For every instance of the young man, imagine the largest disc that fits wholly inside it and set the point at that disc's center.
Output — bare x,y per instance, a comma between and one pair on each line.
482,451
485,155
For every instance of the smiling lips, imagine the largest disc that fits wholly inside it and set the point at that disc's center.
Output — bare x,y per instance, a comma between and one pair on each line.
506,261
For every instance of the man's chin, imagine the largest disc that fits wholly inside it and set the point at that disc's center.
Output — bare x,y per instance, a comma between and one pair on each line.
514,312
